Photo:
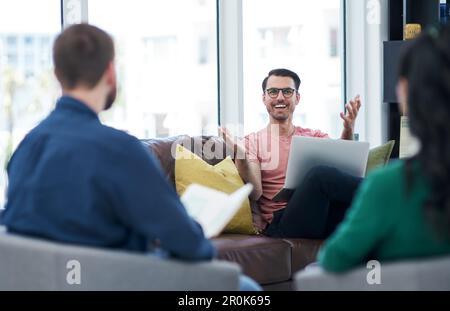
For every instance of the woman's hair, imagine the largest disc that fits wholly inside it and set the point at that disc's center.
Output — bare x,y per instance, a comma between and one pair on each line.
426,67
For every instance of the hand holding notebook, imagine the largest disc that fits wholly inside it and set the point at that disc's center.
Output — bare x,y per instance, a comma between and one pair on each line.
213,209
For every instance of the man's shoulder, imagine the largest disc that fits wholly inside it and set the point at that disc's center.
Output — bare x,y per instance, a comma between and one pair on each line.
118,140
257,133
300,131
114,133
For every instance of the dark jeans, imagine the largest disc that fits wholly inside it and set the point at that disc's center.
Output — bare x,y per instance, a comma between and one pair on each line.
317,206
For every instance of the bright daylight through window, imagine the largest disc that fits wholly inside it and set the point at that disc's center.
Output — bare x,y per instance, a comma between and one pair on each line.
28,90
166,64
166,60
303,36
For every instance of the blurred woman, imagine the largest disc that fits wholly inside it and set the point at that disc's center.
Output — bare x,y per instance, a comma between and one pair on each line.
403,210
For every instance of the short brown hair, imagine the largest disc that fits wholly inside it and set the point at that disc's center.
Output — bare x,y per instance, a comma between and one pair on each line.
81,54
281,72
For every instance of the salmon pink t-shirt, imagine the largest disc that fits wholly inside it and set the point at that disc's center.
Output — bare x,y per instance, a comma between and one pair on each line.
271,151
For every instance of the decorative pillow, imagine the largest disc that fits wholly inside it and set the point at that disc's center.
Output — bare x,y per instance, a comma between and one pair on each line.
224,176
379,156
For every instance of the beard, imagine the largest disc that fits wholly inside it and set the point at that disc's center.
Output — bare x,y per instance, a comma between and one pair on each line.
278,115
110,98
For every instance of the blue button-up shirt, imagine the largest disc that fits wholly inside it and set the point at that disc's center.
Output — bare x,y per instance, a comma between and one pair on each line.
75,180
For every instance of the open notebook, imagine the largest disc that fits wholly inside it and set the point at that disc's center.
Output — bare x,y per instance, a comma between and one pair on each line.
213,209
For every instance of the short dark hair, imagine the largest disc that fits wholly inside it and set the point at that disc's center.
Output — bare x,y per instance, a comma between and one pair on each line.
282,73
81,54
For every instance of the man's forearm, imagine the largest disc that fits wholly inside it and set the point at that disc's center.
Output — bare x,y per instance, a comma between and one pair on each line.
249,176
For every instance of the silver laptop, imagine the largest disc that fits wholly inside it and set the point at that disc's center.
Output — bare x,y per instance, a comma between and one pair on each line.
348,156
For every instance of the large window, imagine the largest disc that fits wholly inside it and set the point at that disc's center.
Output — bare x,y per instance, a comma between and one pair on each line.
166,60
301,35
166,63
27,87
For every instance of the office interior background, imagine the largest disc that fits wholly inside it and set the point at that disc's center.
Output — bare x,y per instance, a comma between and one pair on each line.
186,66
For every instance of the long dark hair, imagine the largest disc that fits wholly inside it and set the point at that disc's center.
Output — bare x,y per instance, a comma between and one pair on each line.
426,67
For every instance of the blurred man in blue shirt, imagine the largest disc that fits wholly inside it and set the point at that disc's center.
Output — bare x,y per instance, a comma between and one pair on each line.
75,180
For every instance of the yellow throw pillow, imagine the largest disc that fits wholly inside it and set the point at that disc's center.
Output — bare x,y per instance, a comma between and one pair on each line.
379,156
189,168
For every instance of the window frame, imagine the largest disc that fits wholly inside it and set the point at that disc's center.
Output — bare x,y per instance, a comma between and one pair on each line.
364,65
230,62
230,65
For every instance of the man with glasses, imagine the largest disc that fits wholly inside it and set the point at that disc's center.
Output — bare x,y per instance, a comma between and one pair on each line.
319,203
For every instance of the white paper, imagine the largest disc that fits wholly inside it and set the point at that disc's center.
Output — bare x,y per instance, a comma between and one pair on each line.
213,209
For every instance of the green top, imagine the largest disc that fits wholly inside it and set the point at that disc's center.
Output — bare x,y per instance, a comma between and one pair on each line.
384,223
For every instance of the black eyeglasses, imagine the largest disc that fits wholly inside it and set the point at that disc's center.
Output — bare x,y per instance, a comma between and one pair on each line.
273,92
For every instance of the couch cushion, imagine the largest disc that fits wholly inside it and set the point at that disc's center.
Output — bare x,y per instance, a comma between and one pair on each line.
162,150
224,176
264,259
379,156
304,252
210,148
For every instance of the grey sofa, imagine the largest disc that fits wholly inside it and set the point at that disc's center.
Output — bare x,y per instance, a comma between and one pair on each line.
32,264
409,275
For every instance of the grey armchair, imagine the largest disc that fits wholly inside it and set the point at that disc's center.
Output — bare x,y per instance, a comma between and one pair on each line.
33,264
409,275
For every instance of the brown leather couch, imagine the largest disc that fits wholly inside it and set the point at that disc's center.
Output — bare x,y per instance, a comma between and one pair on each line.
271,262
